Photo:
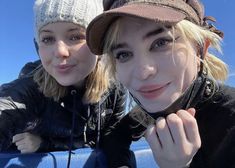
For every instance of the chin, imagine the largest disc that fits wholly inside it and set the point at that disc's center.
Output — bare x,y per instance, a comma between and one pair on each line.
157,106
64,82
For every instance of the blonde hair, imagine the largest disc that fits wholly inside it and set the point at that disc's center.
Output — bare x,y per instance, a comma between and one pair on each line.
214,66
97,83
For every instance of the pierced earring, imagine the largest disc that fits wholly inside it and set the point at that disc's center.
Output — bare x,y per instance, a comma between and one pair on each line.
208,88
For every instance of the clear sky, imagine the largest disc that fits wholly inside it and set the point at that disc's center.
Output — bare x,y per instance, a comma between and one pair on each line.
16,35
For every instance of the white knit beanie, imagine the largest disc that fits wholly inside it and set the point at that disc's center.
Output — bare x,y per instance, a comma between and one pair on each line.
79,12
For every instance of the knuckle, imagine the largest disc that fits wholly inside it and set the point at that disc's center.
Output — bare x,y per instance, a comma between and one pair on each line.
190,122
161,124
174,119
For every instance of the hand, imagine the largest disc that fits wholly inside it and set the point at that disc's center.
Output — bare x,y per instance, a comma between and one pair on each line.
27,142
174,140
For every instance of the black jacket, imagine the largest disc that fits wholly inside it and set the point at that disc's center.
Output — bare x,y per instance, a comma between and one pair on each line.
216,122
215,115
24,108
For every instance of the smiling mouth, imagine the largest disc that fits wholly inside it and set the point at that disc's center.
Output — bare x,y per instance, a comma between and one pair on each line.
153,93
64,68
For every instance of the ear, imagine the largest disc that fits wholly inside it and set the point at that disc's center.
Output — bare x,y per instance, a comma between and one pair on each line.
202,51
205,47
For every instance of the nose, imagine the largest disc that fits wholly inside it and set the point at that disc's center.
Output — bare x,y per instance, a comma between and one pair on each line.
61,49
145,69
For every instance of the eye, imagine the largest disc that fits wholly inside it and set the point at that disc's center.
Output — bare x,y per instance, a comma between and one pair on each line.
77,37
48,40
123,56
160,43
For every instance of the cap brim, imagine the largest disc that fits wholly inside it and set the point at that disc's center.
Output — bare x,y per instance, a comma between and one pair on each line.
97,28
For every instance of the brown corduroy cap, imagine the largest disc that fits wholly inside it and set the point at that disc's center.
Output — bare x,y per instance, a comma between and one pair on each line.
168,11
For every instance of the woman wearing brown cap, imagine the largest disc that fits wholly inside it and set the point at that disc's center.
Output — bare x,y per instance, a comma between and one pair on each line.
68,101
159,50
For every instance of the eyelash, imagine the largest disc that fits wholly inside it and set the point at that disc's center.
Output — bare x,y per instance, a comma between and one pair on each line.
75,37
165,40
126,55
47,39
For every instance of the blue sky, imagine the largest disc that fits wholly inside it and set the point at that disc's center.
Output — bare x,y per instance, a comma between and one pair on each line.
16,35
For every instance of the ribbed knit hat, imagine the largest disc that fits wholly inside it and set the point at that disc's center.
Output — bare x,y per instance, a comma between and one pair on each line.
79,12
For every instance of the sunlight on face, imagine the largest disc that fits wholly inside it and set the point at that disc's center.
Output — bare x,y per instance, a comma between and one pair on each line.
64,53
155,64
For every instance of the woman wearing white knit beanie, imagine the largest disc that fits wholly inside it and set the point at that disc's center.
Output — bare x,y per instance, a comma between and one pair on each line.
68,101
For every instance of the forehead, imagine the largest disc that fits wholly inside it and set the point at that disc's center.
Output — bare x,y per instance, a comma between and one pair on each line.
60,26
132,25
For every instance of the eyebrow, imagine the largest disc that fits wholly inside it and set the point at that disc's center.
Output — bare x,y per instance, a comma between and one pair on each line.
120,45
45,31
154,32
69,30
76,29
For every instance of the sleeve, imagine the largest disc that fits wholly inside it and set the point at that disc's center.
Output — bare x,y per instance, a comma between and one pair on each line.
14,112
224,153
117,140
49,144
218,149
224,157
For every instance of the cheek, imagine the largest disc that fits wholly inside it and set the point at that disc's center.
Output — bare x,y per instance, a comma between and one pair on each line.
123,74
45,55
181,57
191,62
43,50
187,62
85,55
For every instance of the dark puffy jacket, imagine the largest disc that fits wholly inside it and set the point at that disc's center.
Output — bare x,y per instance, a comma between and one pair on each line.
216,122
215,115
24,108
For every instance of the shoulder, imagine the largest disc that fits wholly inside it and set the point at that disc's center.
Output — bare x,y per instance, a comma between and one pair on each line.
19,87
29,68
225,96
219,108
115,92
227,90
224,129
222,96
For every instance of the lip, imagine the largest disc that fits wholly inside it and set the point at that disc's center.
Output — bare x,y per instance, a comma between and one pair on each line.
152,91
64,68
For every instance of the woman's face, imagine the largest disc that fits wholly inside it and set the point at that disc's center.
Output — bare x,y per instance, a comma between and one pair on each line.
155,68
65,54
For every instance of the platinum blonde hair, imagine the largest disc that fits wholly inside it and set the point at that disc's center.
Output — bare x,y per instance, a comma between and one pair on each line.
214,66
